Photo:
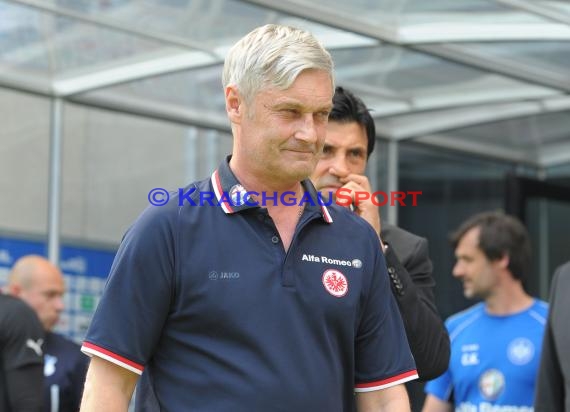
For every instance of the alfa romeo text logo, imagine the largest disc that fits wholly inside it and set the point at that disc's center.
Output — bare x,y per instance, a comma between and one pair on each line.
335,283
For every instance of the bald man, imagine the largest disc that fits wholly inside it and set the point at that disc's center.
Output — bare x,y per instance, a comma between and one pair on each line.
40,284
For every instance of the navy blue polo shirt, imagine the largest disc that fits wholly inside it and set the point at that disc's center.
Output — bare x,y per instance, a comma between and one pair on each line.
205,303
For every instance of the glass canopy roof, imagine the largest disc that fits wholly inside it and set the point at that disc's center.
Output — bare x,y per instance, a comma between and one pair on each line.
484,76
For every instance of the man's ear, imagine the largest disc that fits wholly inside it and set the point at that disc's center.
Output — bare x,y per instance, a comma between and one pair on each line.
14,289
504,261
233,104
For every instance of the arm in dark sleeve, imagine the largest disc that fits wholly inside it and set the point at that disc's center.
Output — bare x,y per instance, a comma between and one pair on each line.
549,384
412,284
22,357
25,388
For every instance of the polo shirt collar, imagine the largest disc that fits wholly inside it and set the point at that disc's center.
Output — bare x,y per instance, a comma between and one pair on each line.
229,192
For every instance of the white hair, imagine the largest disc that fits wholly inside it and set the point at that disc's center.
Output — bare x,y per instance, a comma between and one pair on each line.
273,56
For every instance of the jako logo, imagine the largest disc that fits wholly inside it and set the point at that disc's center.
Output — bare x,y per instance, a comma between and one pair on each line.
229,275
213,275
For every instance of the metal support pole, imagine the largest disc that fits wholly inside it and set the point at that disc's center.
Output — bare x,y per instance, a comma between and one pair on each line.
393,153
190,160
543,249
54,192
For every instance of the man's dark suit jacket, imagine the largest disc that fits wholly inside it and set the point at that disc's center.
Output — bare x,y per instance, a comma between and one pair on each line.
553,384
410,270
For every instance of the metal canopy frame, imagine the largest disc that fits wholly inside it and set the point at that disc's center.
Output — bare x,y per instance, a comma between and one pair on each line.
184,54
193,55
429,121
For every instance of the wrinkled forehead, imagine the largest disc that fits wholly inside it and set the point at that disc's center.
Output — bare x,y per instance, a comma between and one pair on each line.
311,91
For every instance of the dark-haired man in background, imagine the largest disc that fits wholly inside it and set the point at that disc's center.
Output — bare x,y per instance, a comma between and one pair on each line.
495,344
349,142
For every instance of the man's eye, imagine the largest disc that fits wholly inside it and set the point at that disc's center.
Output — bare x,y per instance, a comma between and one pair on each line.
357,154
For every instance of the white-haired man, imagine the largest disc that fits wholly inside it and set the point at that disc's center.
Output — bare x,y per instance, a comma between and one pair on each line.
264,304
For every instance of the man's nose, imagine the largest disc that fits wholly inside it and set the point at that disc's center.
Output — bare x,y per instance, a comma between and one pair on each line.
58,303
339,165
457,271
308,129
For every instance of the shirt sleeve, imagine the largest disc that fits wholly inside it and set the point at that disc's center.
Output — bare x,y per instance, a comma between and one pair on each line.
440,387
21,336
24,388
136,300
383,357
412,285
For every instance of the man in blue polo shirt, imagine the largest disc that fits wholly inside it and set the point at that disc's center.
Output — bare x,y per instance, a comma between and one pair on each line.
233,306
495,344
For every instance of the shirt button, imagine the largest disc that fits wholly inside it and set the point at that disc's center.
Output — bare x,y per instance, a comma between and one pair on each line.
275,239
